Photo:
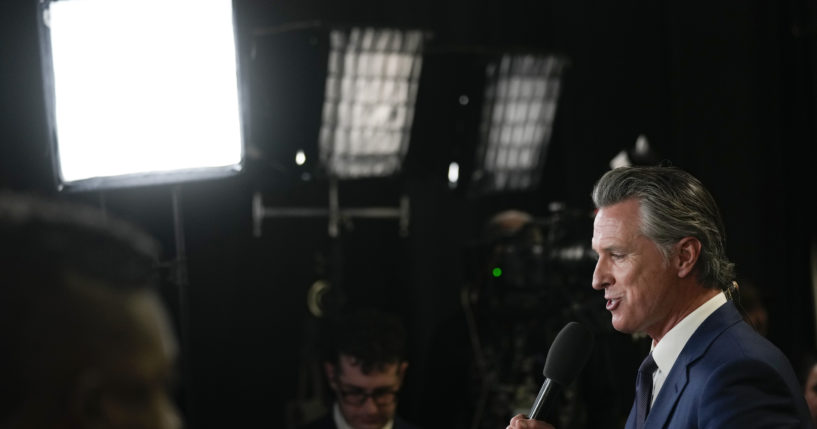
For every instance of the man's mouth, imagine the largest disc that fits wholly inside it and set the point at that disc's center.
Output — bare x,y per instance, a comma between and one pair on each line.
612,303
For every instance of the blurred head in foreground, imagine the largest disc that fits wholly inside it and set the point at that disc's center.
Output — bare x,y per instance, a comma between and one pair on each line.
87,342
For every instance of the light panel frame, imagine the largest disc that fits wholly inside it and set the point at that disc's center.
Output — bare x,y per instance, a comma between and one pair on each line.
182,114
370,95
518,112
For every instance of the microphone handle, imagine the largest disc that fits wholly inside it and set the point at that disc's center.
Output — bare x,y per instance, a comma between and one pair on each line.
539,403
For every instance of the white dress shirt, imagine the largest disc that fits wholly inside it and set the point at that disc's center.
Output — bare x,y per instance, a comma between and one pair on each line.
670,346
341,422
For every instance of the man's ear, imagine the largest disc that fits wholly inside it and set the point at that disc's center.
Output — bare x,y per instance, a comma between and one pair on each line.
331,375
688,252
401,370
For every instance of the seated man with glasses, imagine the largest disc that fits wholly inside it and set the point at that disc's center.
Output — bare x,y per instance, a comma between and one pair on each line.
365,365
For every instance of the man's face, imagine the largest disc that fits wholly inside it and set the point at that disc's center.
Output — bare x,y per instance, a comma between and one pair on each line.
377,406
810,392
638,284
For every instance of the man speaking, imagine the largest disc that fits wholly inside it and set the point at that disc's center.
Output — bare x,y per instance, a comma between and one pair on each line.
663,269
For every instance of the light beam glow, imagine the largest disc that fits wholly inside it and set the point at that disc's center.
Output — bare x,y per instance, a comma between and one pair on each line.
453,173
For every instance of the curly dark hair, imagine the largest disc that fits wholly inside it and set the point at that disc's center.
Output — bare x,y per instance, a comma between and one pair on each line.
371,337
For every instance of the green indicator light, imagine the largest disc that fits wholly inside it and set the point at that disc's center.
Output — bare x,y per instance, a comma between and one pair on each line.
496,272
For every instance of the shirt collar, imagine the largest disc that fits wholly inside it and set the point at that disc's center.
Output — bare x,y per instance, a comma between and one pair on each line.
341,423
670,346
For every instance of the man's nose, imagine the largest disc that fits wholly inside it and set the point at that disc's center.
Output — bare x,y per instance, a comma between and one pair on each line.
601,276
369,404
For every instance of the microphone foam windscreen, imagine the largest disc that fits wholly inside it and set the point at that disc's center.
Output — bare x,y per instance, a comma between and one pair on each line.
569,353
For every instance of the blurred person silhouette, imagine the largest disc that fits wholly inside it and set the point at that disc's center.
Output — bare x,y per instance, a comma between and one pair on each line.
808,379
365,363
663,268
86,340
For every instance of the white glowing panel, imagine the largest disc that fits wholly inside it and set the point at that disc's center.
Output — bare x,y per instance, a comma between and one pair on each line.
143,86
453,173
518,114
371,89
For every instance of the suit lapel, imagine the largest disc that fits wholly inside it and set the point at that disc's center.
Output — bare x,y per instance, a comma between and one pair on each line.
678,376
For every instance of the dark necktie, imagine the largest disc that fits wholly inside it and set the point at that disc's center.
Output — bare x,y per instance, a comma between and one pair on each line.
643,390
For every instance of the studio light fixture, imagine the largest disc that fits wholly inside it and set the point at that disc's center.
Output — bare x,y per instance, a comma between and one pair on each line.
519,107
368,109
141,91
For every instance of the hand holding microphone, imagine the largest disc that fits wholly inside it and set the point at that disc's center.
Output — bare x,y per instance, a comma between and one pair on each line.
520,421
567,356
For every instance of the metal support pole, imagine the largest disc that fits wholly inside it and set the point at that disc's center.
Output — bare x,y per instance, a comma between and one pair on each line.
181,280
335,214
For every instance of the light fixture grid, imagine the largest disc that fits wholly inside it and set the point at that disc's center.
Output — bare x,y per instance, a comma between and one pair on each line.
371,90
518,113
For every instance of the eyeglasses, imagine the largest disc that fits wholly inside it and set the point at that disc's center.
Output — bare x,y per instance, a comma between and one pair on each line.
384,396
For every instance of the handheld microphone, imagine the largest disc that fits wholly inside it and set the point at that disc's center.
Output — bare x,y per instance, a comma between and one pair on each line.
567,356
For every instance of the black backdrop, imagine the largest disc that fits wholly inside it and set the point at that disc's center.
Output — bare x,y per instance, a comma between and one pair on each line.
722,89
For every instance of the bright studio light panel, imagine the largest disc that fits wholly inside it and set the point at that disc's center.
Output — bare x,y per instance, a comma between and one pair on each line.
517,121
371,89
141,91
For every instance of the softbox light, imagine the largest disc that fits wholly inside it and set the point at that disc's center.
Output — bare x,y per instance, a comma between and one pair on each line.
371,90
141,91
519,108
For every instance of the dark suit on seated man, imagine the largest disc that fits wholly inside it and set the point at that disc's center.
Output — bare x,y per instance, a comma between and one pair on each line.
365,364
663,268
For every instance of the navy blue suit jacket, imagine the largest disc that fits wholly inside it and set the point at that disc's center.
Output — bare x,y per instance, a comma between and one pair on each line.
728,376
